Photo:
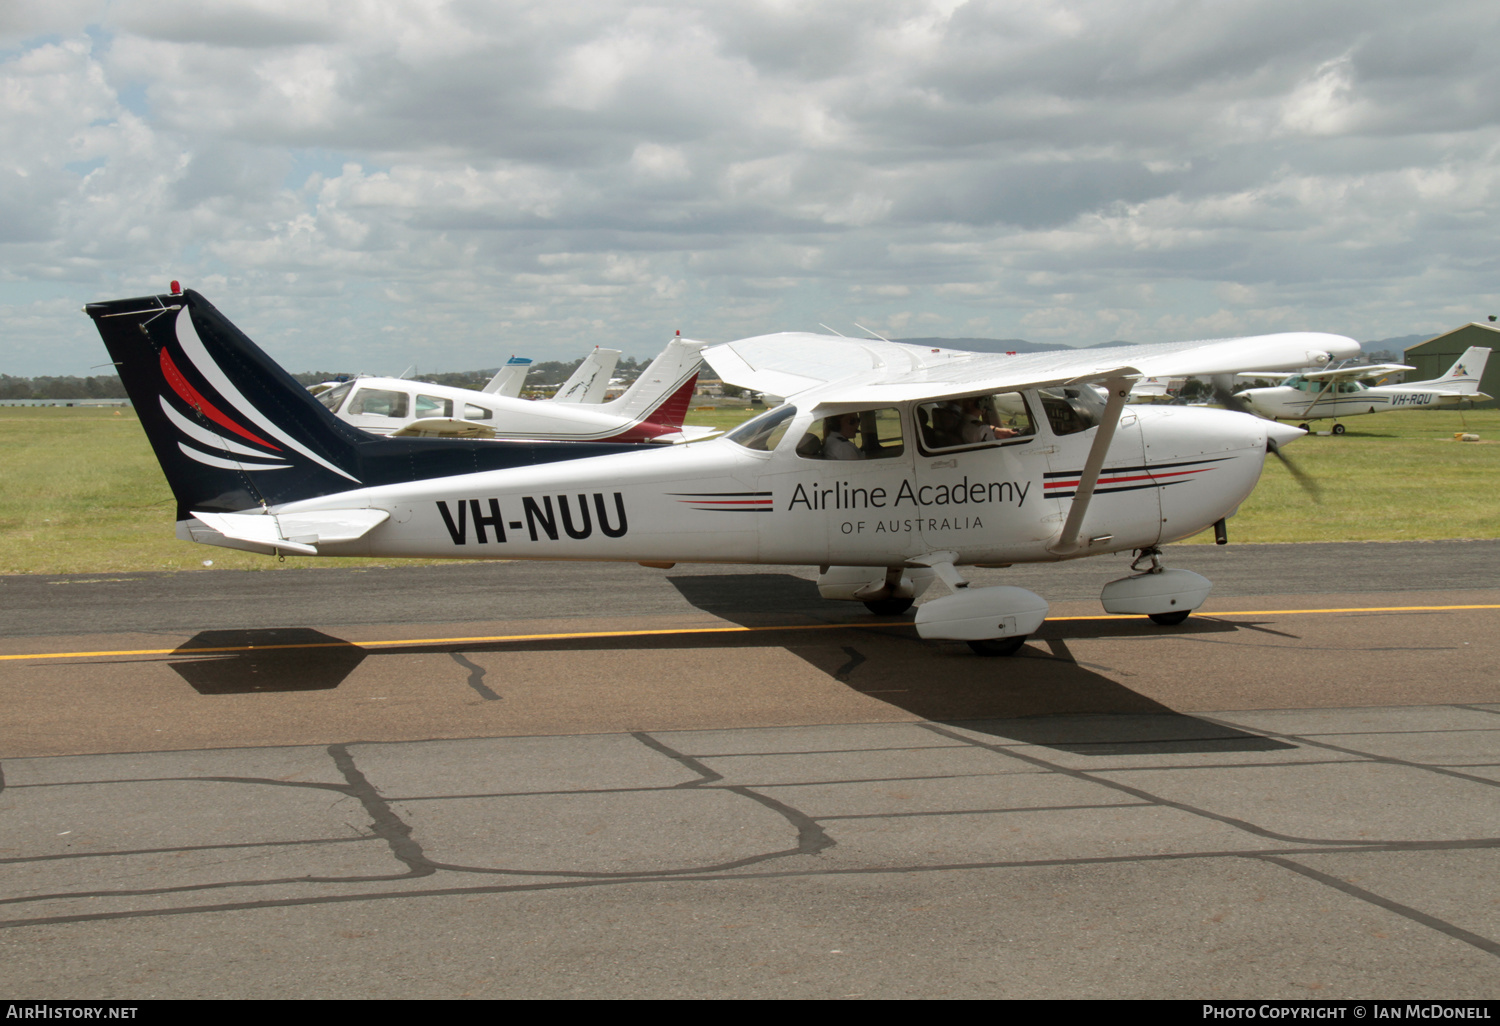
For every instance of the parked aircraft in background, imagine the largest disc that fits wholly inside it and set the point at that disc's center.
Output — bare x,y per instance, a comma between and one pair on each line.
1321,394
590,381
651,410
510,378
883,497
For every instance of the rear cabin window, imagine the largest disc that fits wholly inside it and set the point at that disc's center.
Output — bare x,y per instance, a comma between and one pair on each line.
974,422
858,435
472,412
378,402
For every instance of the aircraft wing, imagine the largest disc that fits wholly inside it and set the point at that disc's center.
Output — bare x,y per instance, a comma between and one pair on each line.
444,427
838,370
1344,373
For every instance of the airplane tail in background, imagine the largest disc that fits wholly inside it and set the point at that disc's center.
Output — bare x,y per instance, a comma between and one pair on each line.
234,431
660,397
509,379
591,380
1465,373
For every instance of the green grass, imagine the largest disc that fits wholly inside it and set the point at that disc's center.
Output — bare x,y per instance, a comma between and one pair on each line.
80,491
1391,477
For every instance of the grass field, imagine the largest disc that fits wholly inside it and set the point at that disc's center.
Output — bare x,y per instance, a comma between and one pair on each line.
80,491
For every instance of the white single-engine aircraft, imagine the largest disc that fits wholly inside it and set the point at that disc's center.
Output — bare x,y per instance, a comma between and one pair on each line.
1321,394
651,410
890,466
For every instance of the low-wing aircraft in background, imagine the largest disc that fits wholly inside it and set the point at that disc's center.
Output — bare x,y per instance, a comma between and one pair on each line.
510,378
590,381
1337,393
864,472
651,410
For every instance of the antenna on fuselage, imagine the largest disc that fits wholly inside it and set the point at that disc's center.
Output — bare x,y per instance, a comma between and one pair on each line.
877,334
825,327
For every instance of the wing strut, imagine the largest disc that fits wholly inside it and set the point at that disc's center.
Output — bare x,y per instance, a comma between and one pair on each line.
1067,541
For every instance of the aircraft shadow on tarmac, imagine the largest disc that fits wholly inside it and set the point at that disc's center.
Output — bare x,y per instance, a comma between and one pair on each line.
293,659
1041,696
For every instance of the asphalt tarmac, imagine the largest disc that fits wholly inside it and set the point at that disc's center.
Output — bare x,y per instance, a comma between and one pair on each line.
558,780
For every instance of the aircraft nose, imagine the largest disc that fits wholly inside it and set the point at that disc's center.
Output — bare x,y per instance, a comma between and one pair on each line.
1283,433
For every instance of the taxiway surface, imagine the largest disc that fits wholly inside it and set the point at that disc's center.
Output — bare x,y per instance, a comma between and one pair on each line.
584,780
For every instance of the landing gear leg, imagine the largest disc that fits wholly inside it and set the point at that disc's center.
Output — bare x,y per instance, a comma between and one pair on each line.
897,596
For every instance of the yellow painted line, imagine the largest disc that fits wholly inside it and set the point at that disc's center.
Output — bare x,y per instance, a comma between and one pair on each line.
670,631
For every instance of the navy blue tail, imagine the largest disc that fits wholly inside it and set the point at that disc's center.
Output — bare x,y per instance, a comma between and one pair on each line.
234,431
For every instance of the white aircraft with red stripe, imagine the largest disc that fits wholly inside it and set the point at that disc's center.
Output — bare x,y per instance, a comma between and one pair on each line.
650,410
889,467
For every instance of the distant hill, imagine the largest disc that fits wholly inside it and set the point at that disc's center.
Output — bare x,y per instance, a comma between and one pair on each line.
1395,345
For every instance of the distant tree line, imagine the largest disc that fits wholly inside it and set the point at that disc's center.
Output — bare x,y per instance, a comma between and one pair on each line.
105,386
108,386
548,372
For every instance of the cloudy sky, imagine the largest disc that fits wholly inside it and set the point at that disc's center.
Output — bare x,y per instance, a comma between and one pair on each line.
369,184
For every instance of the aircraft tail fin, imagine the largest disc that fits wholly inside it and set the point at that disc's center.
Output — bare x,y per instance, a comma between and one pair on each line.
591,380
660,397
233,431
1466,372
509,379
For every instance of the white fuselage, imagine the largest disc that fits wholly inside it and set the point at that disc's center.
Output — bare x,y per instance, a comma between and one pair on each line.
1313,400
1170,472
383,406
1324,394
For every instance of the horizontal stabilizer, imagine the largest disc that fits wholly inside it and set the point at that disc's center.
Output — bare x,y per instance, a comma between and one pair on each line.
293,532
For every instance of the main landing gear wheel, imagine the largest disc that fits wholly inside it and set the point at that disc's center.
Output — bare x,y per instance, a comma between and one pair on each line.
889,606
1304,427
1170,619
998,646
1338,429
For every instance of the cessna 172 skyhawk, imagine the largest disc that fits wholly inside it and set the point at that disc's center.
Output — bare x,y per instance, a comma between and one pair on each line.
651,410
890,466
1320,394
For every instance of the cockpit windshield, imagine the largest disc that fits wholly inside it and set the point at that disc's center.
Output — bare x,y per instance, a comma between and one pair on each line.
332,397
1072,408
763,432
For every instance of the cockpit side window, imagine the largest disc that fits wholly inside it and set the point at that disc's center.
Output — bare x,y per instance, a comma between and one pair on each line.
764,432
855,435
378,402
974,422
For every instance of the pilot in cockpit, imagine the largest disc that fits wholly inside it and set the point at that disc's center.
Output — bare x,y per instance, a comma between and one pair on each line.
838,435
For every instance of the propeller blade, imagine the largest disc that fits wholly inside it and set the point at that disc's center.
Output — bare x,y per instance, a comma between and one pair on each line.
1301,476
1231,401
